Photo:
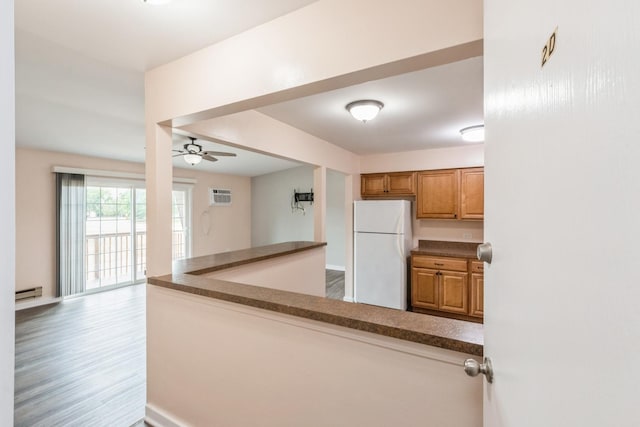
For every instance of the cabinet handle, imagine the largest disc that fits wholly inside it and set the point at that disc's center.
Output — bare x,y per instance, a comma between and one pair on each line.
439,264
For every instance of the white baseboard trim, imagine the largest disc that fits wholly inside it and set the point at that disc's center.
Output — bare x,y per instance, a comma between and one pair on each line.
335,267
348,299
35,302
157,418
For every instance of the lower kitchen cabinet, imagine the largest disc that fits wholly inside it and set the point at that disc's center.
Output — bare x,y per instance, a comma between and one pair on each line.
424,288
454,292
477,289
451,287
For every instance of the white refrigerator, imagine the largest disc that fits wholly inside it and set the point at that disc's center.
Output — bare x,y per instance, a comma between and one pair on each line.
382,243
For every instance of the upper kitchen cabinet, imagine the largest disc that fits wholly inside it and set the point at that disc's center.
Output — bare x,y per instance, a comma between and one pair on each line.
451,194
438,194
373,184
388,184
472,193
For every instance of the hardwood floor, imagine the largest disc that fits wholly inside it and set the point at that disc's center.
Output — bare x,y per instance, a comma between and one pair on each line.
82,362
335,284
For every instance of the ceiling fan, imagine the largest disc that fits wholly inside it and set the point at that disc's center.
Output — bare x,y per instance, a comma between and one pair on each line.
193,153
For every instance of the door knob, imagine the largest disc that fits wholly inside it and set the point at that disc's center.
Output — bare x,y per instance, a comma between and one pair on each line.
484,252
473,368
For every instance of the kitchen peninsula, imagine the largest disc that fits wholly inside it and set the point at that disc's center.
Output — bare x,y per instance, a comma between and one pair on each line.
197,276
229,344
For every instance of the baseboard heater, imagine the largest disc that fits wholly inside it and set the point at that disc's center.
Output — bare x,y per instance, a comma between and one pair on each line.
29,293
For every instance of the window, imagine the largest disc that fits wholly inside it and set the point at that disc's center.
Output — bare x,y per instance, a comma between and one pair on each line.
115,244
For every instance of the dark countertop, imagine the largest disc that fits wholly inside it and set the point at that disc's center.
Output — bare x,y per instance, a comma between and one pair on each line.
457,335
451,249
209,263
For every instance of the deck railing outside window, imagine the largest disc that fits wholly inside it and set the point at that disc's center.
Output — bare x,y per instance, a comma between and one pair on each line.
109,260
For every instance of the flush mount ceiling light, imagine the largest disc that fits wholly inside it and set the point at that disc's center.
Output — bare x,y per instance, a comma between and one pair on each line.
156,1
364,110
473,133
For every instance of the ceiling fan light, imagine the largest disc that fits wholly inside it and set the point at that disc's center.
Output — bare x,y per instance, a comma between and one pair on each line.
473,133
192,159
364,110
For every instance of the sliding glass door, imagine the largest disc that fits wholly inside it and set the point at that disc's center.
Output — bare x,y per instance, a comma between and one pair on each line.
115,244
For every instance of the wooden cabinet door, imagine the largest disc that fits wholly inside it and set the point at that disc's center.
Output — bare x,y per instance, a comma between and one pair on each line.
401,183
472,193
438,194
477,295
424,288
373,184
453,293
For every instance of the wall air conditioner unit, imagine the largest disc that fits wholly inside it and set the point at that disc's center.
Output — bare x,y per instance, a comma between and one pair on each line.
218,197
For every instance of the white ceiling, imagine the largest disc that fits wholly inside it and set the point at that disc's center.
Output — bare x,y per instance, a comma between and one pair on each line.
134,35
80,70
80,83
424,109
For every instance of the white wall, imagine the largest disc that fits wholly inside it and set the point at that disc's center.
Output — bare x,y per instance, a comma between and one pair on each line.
335,221
244,366
7,213
440,158
272,219
35,207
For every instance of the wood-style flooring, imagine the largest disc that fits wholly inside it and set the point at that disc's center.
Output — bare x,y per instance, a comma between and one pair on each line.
82,362
335,284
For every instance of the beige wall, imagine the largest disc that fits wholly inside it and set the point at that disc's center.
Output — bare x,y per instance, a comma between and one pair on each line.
229,226
436,158
259,132
243,366
35,210
302,272
441,158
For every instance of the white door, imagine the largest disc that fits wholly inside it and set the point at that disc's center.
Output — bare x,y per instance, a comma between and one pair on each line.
562,323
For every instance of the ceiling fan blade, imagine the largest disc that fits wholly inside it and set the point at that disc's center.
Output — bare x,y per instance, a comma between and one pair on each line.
210,158
219,153
178,155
